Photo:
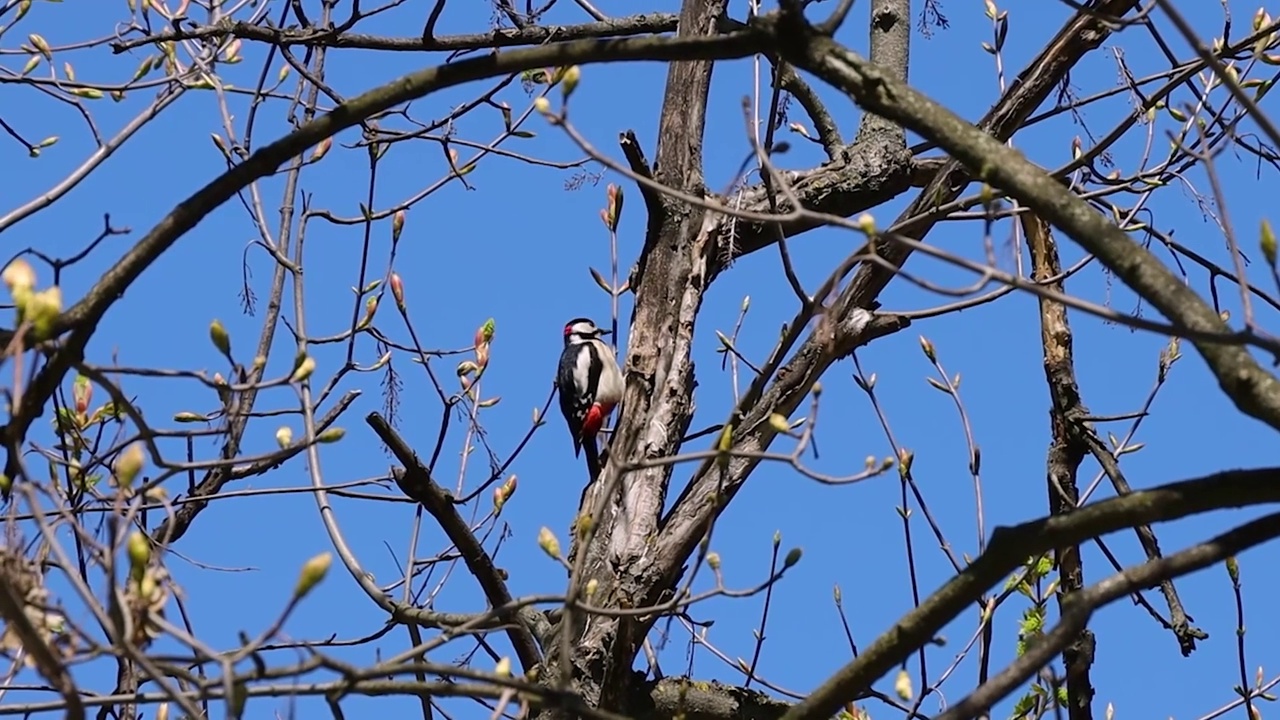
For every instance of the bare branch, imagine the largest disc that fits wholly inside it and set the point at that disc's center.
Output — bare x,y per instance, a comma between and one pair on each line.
1010,547
641,24
416,482
1253,390
1066,451
82,319
1077,613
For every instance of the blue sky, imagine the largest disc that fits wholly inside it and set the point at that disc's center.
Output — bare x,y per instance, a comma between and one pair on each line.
514,249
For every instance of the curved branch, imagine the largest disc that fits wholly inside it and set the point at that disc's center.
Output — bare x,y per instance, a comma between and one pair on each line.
826,190
83,318
1253,390
641,24
1076,614
1082,34
416,482
1010,547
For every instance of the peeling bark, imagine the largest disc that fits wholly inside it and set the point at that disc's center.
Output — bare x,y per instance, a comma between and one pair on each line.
634,558
1066,451
872,170
672,274
1084,33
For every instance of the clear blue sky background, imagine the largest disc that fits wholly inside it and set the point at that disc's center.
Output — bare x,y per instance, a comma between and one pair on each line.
515,248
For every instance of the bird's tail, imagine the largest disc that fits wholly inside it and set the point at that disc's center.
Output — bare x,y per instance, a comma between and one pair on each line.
593,458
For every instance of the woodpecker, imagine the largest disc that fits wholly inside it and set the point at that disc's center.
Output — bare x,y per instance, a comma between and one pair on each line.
590,386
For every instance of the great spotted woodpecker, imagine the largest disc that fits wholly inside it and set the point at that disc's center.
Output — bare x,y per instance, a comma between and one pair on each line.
590,386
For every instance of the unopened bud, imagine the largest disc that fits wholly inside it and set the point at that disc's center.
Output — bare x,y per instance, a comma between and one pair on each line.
485,333
43,308
147,585
867,223
40,44
592,585
724,445
18,275
332,435
613,213
927,347
1268,242
779,423
902,685
218,334
224,393
503,493
569,83
503,668
129,464
322,149
313,571
81,393
397,225
187,417
139,549
304,369
370,307
397,290
713,560
793,557
542,105
284,436
548,542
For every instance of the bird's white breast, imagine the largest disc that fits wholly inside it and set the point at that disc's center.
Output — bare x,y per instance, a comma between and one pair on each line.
611,383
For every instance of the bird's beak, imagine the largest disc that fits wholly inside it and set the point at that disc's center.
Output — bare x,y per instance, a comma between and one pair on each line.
602,333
